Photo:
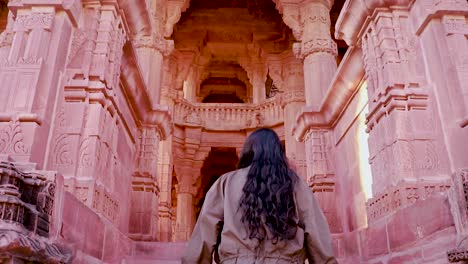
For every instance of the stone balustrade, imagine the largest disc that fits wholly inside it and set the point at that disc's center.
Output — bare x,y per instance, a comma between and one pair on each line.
228,116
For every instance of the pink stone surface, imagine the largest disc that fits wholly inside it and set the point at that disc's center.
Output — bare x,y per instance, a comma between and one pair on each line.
109,94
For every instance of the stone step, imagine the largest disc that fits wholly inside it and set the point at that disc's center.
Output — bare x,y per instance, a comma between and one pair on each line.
156,252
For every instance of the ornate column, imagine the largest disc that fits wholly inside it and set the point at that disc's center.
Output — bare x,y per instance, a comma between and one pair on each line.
185,208
143,224
317,49
165,157
310,22
35,44
407,156
254,65
293,102
442,29
165,169
321,173
258,79
88,148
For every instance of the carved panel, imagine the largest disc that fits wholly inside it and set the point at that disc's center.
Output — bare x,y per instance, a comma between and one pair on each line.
400,195
320,169
11,139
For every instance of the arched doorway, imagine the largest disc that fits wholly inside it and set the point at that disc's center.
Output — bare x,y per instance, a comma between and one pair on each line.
218,162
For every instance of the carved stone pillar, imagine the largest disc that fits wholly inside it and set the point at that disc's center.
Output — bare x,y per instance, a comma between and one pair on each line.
258,79
317,49
321,173
293,101
143,224
165,167
310,22
35,43
185,208
442,30
406,154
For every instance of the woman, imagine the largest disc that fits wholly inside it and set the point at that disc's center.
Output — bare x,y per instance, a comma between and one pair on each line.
261,213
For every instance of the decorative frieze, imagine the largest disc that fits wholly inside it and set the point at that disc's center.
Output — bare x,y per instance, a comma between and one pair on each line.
401,195
327,45
34,20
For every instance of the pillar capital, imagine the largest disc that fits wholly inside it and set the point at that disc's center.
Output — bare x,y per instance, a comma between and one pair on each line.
310,23
304,49
155,42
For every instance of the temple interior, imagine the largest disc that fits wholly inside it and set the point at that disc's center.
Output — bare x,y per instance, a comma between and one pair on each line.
117,116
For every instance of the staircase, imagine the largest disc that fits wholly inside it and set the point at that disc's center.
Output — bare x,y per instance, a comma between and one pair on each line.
156,253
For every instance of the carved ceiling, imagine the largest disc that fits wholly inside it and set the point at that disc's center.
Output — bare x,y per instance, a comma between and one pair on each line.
224,82
238,22
225,32
245,32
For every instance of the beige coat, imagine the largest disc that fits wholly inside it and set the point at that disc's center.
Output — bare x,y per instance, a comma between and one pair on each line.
220,219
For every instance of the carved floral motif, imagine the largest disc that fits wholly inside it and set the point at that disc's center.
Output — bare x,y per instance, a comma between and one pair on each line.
11,139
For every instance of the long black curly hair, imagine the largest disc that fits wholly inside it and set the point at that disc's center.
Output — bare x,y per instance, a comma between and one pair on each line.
268,194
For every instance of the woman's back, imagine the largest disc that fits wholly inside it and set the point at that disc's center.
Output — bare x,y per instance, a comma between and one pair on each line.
261,213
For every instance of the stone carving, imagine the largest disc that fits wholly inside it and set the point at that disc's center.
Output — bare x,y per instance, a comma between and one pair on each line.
97,48
62,151
27,201
400,195
313,46
193,118
34,20
148,151
320,173
31,248
238,116
165,46
11,139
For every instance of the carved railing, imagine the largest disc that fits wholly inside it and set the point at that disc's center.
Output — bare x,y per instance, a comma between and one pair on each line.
225,116
26,207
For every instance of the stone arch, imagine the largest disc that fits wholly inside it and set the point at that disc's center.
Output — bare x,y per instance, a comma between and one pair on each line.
219,161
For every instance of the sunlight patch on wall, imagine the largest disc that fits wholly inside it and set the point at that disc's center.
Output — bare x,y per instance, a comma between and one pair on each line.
185,88
365,172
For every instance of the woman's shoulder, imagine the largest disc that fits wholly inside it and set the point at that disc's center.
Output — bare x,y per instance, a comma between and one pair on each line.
234,173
